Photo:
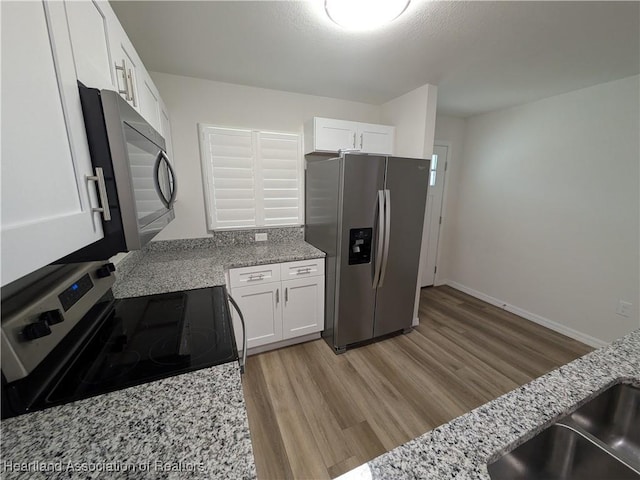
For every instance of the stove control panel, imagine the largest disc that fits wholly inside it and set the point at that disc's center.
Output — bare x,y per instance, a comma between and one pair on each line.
75,292
38,317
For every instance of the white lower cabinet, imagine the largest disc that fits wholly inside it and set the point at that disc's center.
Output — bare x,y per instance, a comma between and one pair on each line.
262,311
273,309
303,311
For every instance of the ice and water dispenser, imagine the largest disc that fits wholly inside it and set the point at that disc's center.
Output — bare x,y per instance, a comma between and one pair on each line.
360,245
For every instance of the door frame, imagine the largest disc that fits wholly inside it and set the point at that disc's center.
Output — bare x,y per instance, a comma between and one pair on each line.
438,280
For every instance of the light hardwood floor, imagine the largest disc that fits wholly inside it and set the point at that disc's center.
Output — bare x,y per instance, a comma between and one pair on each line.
315,415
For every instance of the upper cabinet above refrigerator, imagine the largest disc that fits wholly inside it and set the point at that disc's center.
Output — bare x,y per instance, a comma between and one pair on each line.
326,135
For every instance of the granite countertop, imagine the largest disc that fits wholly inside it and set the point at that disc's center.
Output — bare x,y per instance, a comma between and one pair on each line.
188,426
185,265
462,448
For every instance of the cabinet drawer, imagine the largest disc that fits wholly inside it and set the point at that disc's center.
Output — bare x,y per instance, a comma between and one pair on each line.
240,277
302,268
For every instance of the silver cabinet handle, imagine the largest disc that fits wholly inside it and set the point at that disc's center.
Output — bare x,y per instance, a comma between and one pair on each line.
286,295
361,140
243,360
277,296
380,234
354,139
102,193
303,271
133,90
251,278
387,234
123,68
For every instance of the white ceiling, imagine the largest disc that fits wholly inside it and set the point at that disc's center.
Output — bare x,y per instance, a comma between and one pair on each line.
482,55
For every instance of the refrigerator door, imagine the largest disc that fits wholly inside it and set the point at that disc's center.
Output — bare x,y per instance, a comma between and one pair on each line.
406,185
363,179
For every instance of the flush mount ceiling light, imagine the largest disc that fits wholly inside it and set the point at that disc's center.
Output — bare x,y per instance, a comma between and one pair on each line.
364,14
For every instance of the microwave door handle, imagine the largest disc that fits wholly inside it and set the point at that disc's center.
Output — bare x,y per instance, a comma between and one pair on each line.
174,185
156,179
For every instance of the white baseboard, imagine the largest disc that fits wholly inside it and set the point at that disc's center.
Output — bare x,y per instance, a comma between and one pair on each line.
545,322
283,343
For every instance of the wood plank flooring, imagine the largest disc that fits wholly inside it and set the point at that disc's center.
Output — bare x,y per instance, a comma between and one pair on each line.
316,415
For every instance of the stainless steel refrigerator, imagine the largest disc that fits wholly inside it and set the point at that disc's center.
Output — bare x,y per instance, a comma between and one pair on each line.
366,213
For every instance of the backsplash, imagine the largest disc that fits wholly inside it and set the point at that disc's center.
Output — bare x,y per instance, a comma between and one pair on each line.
230,238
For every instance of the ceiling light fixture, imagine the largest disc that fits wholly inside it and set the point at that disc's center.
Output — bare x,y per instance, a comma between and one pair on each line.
364,14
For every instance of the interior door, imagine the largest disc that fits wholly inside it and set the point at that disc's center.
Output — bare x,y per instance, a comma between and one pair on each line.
406,183
432,215
363,177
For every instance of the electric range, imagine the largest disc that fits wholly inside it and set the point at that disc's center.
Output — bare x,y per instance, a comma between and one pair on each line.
67,338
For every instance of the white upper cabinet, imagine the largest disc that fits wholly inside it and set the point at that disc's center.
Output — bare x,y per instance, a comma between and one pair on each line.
373,138
326,135
89,34
149,101
47,200
165,128
332,135
126,66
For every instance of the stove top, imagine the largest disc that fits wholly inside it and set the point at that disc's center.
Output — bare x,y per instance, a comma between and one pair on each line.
140,340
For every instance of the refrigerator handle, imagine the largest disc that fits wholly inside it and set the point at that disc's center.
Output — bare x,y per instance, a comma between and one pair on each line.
387,234
377,262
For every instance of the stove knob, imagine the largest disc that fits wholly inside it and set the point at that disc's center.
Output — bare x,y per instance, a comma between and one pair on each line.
36,330
105,270
51,317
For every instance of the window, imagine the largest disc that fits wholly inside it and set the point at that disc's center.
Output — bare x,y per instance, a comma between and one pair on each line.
432,170
252,178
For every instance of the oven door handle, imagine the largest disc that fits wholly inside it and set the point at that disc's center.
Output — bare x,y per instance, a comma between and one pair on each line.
243,360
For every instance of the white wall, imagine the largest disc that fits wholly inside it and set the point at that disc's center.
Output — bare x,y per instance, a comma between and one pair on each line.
547,218
413,114
449,131
191,101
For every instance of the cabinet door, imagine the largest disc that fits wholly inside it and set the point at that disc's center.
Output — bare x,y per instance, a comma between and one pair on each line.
165,129
46,200
332,135
149,101
90,41
125,65
375,138
261,307
303,311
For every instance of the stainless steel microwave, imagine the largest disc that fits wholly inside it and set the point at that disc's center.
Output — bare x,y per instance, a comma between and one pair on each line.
135,179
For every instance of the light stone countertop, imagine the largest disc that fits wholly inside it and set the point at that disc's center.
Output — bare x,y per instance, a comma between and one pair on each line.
185,265
462,448
189,426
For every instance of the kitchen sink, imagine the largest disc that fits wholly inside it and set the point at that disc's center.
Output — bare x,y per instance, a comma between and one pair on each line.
599,440
614,418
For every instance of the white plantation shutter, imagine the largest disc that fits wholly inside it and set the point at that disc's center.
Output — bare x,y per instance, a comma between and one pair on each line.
252,179
281,173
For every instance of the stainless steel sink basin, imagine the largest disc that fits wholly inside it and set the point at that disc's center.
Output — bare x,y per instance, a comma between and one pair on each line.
559,453
614,418
600,440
